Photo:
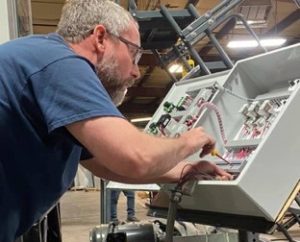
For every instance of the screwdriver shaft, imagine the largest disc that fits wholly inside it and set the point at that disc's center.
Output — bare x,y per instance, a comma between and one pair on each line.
228,162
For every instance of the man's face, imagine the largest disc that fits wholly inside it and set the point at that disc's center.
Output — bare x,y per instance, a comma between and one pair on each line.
117,69
112,79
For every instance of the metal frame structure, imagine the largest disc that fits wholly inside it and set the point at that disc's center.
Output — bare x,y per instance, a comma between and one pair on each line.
189,35
204,25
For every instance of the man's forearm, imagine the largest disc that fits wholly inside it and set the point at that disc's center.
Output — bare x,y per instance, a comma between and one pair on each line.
98,170
128,150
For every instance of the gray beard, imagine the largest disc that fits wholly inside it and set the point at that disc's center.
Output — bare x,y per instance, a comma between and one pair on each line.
118,96
107,71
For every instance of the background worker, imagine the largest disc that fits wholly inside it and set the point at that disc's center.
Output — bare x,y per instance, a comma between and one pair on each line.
57,106
130,197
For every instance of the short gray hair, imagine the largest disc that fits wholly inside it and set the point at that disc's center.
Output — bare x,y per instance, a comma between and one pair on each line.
80,17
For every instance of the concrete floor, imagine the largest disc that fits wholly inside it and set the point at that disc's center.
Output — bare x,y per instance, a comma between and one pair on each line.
81,212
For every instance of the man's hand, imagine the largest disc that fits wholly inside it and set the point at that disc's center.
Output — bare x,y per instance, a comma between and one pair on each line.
203,170
212,170
197,138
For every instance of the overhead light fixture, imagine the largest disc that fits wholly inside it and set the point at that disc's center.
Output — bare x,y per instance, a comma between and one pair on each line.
252,23
176,68
253,43
139,120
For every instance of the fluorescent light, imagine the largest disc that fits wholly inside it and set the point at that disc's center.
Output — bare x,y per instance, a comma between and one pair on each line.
262,21
137,120
272,42
253,43
242,44
176,68
252,22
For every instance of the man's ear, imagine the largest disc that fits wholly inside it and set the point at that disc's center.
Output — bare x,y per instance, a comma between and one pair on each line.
100,35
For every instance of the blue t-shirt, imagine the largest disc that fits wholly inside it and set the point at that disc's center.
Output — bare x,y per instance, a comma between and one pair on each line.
44,86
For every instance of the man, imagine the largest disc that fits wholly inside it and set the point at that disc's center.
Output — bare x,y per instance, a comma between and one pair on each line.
55,111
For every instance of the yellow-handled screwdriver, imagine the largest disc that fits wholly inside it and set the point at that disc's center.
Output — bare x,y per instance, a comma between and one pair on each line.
215,152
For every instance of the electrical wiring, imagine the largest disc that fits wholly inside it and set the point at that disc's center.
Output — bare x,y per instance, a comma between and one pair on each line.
181,178
181,174
213,107
242,97
203,104
221,88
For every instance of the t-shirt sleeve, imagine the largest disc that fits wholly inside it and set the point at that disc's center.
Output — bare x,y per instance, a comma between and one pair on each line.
69,90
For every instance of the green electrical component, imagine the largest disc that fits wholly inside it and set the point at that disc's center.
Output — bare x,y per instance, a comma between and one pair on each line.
184,103
168,107
179,105
153,129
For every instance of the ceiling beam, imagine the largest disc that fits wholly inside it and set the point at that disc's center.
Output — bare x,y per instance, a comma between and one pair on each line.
221,34
281,26
194,2
286,22
286,1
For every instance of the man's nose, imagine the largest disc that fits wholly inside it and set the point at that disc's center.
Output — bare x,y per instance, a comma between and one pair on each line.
135,73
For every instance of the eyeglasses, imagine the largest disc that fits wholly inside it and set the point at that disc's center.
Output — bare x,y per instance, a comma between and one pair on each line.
135,49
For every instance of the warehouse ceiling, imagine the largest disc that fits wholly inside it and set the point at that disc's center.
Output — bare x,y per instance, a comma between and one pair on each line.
269,18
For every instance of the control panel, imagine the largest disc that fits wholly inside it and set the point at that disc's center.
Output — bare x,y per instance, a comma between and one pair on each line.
253,113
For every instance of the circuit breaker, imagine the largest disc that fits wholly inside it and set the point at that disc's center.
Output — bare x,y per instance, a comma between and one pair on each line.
253,112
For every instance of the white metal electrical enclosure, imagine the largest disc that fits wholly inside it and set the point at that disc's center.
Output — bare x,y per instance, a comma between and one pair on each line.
253,112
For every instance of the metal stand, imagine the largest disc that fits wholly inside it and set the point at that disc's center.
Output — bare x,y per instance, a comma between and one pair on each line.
285,233
189,35
243,224
246,236
295,218
104,203
48,229
203,26
174,200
